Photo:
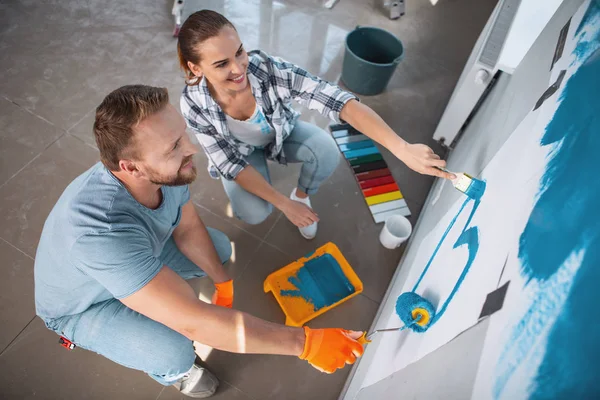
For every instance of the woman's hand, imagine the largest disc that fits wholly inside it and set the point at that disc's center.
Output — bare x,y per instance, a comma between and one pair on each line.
299,214
417,157
422,159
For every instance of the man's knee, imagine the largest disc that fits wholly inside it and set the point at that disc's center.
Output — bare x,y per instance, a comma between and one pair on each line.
222,244
176,358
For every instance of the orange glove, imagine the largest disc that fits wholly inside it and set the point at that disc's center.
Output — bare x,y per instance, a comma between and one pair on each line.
223,294
330,349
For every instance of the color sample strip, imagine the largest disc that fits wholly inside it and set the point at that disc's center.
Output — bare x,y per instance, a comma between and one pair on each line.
372,166
361,152
388,206
351,139
374,191
365,159
369,183
340,134
382,198
381,217
381,192
357,145
363,176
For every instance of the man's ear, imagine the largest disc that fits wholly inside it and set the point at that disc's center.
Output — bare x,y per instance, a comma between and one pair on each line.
130,167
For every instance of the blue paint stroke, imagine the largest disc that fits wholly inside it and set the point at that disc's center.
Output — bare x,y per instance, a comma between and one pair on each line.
320,282
562,234
469,237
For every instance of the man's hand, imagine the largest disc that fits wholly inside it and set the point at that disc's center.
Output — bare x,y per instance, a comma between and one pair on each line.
330,349
299,214
223,294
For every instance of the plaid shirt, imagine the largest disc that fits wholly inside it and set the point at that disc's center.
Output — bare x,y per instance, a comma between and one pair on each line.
275,83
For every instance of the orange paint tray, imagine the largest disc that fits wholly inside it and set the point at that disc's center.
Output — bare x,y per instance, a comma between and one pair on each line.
297,310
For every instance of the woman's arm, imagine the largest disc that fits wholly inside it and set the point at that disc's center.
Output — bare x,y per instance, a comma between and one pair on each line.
417,157
298,213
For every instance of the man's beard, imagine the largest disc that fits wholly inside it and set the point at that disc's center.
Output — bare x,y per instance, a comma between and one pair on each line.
179,180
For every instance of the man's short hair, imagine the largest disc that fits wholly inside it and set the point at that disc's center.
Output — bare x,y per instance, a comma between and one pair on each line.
117,115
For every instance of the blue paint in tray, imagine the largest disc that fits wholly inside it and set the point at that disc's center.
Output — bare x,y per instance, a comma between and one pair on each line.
321,282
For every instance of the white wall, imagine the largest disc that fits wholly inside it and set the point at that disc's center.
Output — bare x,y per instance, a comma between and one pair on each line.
449,372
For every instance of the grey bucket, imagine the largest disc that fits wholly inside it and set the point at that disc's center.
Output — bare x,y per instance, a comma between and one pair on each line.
370,60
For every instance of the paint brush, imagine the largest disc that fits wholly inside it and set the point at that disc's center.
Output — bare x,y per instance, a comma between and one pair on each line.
465,183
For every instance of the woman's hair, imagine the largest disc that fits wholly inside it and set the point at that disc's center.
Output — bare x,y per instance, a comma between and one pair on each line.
200,26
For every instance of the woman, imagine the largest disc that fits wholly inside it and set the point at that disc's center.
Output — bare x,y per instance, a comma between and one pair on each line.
239,105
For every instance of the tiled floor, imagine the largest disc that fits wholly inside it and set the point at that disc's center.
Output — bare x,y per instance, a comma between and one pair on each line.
59,58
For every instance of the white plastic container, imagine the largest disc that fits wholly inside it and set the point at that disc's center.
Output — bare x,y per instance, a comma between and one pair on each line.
395,231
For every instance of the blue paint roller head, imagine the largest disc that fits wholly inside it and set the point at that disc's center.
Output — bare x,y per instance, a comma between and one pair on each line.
416,312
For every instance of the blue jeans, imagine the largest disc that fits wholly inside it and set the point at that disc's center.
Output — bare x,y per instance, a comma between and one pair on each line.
307,144
128,338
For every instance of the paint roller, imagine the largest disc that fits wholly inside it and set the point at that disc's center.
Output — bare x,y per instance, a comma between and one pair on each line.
416,312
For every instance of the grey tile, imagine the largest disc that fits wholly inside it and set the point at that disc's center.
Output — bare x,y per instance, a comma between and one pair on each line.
35,366
22,137
16,293
31,16
132,14
224,392
279,377
26,200
67,77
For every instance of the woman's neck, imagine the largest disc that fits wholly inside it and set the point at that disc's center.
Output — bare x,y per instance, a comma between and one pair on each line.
225,96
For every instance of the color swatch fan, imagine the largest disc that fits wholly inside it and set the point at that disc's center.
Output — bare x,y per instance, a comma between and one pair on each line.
381,192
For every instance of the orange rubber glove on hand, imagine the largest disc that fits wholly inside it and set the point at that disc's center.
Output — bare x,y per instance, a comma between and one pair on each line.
330,349
223,294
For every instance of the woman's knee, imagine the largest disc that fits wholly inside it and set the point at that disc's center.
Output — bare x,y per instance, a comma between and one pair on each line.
253,212
327,154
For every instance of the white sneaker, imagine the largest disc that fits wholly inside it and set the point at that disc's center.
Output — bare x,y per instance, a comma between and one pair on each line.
310,231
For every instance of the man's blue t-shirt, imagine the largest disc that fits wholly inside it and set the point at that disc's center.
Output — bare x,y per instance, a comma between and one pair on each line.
99,243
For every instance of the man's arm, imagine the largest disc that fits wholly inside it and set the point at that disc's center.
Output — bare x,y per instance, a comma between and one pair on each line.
168,299
193,240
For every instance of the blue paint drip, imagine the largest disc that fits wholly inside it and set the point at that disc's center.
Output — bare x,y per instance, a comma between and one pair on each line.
565,219
468,236
320,282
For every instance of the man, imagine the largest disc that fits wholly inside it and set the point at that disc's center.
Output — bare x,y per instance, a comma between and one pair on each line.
119,244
